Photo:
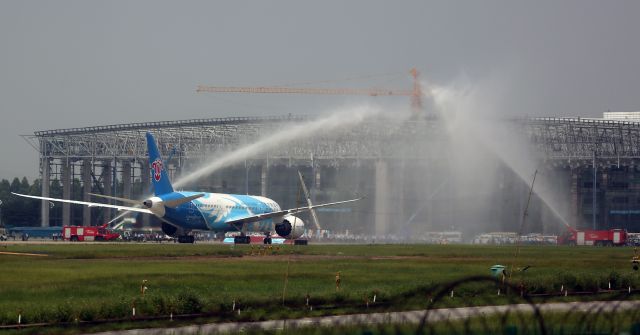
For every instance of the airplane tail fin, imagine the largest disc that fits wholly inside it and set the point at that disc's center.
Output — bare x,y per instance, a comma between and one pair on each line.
159,177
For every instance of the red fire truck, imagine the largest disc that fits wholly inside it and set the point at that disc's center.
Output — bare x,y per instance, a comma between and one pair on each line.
81,233
609,237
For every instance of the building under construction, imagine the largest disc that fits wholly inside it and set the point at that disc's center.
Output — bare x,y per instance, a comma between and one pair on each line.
398,166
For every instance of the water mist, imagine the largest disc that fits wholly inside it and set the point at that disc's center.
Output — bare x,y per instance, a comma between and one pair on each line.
482,137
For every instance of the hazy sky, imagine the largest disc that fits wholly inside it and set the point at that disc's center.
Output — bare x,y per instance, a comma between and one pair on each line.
82,63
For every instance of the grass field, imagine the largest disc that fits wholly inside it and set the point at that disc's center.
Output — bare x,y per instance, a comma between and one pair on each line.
98,281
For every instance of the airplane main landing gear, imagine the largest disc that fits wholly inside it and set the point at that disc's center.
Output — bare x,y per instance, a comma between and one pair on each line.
267,238
186,239
242,240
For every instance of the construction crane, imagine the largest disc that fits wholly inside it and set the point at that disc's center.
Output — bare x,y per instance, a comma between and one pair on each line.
415,93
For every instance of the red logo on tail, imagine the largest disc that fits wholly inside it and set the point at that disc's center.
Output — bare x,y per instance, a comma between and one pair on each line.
157,169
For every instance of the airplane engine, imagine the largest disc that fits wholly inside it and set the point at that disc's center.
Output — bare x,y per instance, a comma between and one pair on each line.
169,230
155,205
290,228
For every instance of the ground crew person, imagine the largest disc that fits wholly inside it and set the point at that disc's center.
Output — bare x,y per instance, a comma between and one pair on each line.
337,280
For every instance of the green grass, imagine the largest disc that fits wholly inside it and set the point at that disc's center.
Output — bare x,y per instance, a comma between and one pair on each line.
95,281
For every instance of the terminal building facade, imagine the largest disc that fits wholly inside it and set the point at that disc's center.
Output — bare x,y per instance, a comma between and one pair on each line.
413,179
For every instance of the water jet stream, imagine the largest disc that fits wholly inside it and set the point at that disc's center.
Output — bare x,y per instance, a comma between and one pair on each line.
341,119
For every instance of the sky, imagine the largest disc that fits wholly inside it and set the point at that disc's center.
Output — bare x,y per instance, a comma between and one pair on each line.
67,64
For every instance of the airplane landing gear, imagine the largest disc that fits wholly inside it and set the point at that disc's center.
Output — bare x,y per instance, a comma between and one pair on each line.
300,242
186,239
242,239
267,238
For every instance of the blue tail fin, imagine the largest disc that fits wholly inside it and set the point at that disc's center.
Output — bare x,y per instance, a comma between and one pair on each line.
159,177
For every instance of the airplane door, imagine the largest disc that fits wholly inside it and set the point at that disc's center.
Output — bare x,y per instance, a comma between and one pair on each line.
580,238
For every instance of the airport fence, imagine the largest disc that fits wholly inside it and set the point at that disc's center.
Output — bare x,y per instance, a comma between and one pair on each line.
478,305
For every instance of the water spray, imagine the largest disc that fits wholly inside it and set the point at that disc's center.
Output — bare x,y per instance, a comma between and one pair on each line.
345,118
460,105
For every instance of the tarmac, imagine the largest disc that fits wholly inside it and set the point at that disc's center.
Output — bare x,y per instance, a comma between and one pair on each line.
409,317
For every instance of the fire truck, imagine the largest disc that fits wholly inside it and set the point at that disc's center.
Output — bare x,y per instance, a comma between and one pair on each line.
90,233
611,237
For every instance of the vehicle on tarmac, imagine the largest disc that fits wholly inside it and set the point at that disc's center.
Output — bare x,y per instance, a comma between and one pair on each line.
611,237
89,233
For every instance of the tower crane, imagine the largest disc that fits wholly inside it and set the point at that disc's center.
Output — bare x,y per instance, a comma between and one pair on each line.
415,93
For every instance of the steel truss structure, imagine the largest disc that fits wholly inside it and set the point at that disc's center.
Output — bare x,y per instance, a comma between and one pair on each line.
197,139
578,140
559,139
105,154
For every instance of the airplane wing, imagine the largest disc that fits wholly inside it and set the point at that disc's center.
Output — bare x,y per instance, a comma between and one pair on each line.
125,200
264,216
90,204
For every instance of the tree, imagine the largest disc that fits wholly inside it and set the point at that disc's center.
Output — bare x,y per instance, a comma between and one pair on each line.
18,211
25,188
36,187
5,192
15,185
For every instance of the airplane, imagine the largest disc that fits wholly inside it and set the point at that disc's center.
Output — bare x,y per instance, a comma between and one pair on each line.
184,212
